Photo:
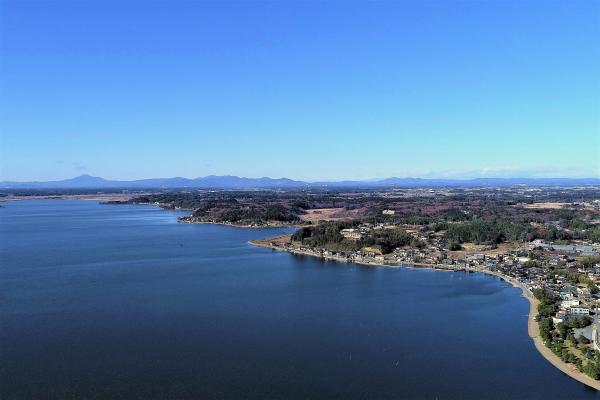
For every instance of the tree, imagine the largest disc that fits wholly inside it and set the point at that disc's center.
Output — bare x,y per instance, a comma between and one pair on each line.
562,330
589,261
546,310
592,370
593,234
582,340
579,321
546,328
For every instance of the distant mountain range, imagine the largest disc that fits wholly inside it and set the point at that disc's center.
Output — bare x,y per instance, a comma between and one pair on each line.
235,182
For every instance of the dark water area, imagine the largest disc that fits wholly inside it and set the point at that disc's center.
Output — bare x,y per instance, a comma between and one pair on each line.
122,302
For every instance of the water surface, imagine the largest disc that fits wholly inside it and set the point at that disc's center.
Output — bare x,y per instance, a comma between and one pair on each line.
122,302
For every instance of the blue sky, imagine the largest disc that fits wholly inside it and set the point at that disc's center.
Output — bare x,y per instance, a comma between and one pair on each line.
306,90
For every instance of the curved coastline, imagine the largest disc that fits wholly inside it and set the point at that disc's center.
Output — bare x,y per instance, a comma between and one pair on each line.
532,325
534,333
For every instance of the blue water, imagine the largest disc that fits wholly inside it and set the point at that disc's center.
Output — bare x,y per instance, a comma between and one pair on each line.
122,302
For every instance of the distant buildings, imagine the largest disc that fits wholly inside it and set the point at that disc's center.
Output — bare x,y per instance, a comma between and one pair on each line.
579,311
568,304
351,234
585,249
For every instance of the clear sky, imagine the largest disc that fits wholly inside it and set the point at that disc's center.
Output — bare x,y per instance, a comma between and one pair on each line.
305,90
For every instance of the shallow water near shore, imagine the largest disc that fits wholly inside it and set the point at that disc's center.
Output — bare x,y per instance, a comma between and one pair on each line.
113,301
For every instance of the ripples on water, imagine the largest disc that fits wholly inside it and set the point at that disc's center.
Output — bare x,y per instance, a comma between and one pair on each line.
105,301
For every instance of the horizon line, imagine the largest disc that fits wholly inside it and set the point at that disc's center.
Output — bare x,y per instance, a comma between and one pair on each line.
313,180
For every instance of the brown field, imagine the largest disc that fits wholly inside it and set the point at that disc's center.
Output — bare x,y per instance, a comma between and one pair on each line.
470,249
274,241
549,206
324,214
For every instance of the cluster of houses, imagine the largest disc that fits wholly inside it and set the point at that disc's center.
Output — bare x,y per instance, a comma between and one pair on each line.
570,305
513,262
364,229
567,250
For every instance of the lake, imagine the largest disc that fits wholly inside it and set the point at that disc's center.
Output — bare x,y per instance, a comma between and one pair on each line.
122,302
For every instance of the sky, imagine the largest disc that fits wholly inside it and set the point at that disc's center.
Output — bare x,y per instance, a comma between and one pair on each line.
304,90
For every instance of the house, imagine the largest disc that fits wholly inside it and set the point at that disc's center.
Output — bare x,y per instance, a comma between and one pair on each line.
388,212
567,304
555,261
583,291
566,295
351,234
579,311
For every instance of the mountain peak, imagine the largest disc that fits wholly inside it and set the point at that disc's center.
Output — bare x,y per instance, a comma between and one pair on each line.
235,182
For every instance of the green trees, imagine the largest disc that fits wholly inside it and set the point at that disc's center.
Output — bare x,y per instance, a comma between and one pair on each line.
301,234
593,234
592,370
578,278
388,239
477,231
327,234
579,321
562,330
501,230
589,261
582,340
480,231
546,310
277,212
539,294
546,329
547,305
230,207
322,234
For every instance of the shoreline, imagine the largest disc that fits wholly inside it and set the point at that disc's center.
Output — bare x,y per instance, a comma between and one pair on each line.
232,225
532,325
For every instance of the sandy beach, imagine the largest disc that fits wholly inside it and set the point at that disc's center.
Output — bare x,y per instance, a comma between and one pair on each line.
533,330
569,369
